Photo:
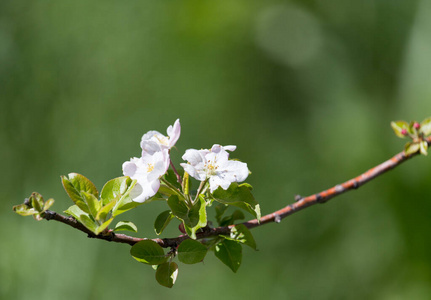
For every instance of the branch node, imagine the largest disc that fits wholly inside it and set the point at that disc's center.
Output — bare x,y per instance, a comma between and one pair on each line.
298,198
277,218
355,184
319,198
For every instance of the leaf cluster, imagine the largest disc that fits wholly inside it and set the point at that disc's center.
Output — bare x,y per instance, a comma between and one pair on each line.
417,132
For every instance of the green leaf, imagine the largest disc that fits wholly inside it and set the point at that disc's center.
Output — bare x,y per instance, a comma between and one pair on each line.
398,126
242,234
424,147
36,201
104,211
102,227
48,204
191,252
220,210
88,222
172,179
75,212
24,210
411,148
116,188
166,274
162,221
230,253
240,196
92,203
75,183
148,252
193,218
229,220
426,127
126,225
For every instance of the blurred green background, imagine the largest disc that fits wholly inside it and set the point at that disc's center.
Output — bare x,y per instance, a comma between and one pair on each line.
305,89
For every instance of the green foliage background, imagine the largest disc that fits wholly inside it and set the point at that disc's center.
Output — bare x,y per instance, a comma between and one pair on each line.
305,89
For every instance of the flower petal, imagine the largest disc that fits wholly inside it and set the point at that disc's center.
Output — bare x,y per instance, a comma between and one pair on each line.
174,133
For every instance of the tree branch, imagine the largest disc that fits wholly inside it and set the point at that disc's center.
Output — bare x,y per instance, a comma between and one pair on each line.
276,216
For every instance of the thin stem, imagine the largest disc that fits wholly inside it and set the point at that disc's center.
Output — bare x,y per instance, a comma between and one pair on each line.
201,186
276,216
180,181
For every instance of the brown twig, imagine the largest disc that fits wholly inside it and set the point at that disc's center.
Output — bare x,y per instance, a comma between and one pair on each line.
276,216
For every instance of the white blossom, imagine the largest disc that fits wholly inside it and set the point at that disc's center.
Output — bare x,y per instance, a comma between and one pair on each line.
147,171
214,164
153,141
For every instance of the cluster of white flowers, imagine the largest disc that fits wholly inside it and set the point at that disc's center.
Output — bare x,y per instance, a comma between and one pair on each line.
206,164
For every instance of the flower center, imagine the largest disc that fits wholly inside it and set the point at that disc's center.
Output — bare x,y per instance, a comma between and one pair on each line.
162,139
211,168
150,168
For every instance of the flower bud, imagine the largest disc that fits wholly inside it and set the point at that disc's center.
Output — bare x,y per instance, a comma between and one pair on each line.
181,228
416,125
404,131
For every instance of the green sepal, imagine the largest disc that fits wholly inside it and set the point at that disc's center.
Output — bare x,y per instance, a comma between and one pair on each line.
411,148
398,126
242,234
193,218
148,252
425,127
191,252
166,274
230,253
240,196
162,220
424,147
126,226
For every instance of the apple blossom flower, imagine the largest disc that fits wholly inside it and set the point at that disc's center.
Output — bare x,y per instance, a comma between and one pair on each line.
153,141
214,165
147,171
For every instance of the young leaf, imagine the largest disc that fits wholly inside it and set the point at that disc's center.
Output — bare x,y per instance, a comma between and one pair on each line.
126,225
117,189
92,203
148,252
167,273
398,126
75,183
24,210
191,252
102,227
104,211
48,204
426,127
162,221
88,222
230,253
242,234
411,148
75,212
240,196
36,201
424,147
